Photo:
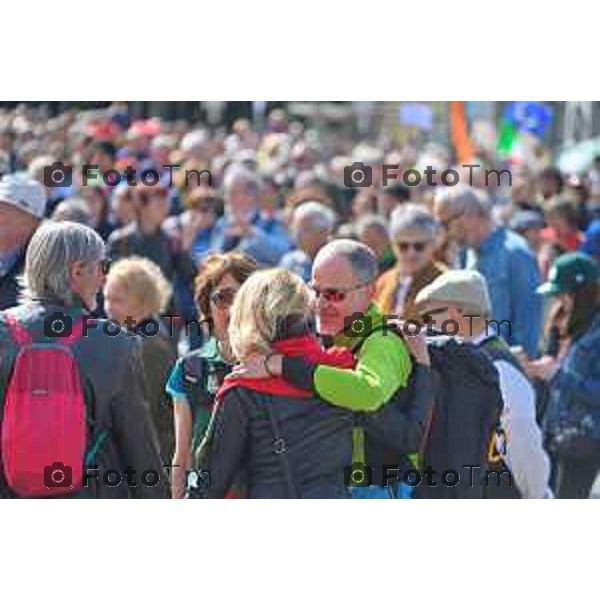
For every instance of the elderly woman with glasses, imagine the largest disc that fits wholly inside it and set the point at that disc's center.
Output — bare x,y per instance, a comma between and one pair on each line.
195,379
414,233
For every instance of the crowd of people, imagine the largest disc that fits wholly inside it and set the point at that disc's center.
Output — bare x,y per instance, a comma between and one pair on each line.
312,378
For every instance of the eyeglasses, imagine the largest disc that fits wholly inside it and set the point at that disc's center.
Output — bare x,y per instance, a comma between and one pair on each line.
417,246
223,298
335,294
105,265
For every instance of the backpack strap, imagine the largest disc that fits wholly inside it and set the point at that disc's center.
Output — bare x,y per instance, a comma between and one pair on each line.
76,334
193,371
280,448
20,335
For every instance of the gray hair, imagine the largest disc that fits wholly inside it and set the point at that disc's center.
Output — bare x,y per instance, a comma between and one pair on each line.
73,209
371,221
54,247
314,216
464,198
237,173
413,216
369,155
360,257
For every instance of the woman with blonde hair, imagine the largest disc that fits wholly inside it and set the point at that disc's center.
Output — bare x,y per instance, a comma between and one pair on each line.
135,294
285,441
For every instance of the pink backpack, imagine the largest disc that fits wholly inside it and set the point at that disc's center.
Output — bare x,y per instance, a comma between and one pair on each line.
44,427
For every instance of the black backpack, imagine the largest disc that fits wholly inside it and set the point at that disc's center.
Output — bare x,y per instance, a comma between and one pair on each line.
467,408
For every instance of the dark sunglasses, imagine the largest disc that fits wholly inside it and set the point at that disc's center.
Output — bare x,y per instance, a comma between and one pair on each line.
417,246
105,265
334,294
223,298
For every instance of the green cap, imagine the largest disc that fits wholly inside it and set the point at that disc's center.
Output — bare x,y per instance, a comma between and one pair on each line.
569,273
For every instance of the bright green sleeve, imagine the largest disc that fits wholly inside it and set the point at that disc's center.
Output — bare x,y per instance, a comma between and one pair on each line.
383,366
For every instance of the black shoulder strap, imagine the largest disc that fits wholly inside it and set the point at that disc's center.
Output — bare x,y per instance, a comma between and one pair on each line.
193,370
358,346
195,374
280,448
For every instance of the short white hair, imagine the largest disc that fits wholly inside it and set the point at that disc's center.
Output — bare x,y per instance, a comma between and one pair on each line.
369,155
358,255
412,216
371,221
54,247
314,216
37,165
194,140
237,173
464,198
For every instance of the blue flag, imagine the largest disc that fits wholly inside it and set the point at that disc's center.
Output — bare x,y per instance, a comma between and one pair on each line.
532,117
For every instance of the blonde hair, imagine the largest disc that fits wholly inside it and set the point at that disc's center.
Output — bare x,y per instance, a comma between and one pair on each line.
261,303
143,279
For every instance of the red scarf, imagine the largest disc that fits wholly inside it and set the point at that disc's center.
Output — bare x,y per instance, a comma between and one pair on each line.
306,346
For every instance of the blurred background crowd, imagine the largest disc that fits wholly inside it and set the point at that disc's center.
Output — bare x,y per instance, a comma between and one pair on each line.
278,191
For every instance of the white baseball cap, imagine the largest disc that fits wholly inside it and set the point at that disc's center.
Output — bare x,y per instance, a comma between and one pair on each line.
24,193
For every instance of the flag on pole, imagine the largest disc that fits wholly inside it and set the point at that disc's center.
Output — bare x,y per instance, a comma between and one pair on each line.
459,131
519,118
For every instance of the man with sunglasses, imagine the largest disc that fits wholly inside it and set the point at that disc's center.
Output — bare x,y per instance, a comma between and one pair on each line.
502,257
343,284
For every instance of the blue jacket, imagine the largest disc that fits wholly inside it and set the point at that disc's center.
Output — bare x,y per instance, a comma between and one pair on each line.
575,389
512,274
266,245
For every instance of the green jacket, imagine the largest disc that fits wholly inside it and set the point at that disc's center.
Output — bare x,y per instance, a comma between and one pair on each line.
383,366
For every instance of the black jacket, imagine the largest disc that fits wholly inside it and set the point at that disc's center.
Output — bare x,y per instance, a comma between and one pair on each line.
9,284
399,427
112,373
159,353
318,439
393,431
